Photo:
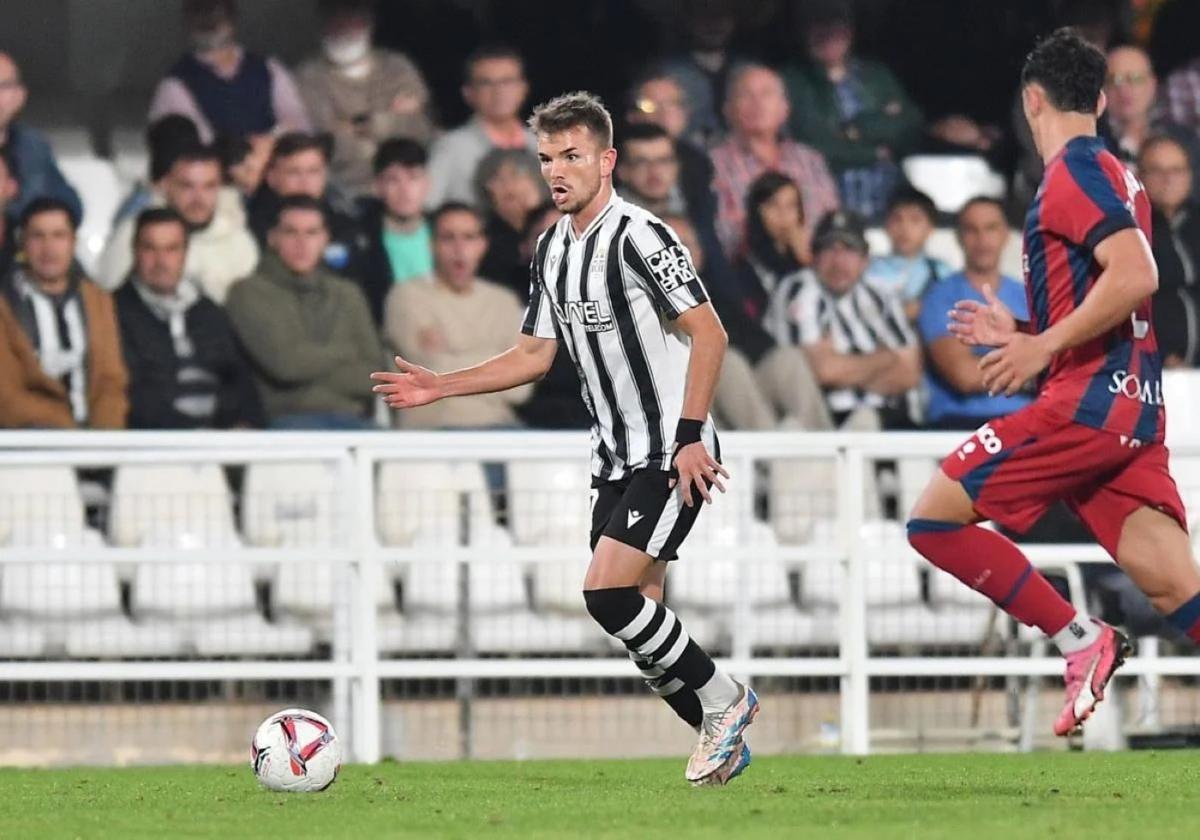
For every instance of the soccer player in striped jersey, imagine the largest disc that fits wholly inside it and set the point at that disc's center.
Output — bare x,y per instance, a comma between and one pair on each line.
1094,435
614,284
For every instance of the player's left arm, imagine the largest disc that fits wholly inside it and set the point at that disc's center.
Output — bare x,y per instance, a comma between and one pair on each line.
1128,276
662,266
696,466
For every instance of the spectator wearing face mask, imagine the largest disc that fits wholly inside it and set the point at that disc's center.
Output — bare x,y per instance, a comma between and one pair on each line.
361,95
221,86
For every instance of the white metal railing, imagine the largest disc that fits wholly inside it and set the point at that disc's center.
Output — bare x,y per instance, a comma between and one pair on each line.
355,667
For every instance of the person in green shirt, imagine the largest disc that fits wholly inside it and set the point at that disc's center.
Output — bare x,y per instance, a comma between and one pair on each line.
852,110
400,249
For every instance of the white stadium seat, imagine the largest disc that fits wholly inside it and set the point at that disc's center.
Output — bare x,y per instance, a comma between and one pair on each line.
172,506
431,502
74,607
129,153
41,507
548,502
951,180
99,188
293,504
215,606
943,245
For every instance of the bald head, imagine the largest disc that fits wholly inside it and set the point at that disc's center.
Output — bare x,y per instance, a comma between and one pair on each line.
756,103
12,91
1130,85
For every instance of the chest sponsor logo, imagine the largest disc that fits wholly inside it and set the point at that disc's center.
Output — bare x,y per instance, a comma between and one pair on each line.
671,268
588,314
1130,386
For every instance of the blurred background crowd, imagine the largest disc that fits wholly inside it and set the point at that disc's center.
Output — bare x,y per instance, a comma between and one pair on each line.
233,227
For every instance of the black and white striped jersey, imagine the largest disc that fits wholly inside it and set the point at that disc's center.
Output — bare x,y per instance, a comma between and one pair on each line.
611,295
864,319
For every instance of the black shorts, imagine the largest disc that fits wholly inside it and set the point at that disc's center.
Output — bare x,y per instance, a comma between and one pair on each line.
643,512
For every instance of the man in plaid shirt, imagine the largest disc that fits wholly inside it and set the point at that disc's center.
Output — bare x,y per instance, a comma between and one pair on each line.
757,109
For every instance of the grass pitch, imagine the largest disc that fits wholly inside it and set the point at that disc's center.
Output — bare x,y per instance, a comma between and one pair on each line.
1136,795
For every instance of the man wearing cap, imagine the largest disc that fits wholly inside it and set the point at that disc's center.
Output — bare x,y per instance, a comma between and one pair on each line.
858,341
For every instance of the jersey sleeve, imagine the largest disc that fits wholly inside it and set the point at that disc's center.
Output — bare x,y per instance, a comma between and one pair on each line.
663,267
539,315
1088,199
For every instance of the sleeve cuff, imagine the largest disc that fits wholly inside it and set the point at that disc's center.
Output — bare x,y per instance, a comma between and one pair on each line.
1105,228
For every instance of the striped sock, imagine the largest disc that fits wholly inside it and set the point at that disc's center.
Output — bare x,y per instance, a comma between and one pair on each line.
678,696
1186,619
654,633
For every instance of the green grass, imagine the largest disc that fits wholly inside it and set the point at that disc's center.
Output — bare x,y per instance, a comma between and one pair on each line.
1149,796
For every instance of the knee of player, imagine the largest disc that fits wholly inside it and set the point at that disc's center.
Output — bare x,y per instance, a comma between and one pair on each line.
614,608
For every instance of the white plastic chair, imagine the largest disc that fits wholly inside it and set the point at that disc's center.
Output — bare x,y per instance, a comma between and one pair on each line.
548,502
172,506
99,188
943,245
431,502
41,507
215,605
803,494
951,180
53,605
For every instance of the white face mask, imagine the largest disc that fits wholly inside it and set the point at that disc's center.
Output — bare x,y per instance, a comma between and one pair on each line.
345,51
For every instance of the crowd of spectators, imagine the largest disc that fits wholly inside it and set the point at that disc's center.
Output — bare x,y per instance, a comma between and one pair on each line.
296,227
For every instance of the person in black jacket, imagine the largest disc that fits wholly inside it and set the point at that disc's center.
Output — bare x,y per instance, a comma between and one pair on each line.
186,370
1165,169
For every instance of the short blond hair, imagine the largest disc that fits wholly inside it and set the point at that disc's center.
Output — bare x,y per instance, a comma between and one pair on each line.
572,110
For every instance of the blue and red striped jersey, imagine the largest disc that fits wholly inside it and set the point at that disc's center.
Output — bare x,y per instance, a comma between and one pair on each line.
1114,381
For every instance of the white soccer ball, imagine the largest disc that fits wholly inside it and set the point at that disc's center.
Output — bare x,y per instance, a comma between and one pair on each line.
296,751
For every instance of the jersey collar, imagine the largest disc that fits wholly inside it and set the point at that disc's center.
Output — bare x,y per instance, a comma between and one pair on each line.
613,201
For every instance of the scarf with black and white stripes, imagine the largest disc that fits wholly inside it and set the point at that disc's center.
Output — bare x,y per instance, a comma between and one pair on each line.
59,335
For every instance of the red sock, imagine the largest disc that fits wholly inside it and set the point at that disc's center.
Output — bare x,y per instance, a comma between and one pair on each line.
993,565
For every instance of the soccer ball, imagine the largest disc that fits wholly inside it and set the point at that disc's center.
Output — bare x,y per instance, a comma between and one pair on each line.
296,751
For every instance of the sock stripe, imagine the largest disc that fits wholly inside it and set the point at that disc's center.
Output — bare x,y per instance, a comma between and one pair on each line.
648,668
668,629
665,689
1185,618
931,526
681,644
1016,588
664,644
638,640
641,620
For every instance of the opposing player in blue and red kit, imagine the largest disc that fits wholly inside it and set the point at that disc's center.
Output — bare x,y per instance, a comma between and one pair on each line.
1094,435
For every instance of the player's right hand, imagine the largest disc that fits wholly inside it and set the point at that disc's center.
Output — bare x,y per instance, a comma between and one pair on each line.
413,385
990,324
694,467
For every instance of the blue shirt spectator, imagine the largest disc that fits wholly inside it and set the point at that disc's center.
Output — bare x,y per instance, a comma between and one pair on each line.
948,406
907,270
906,277
27,151
957,398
